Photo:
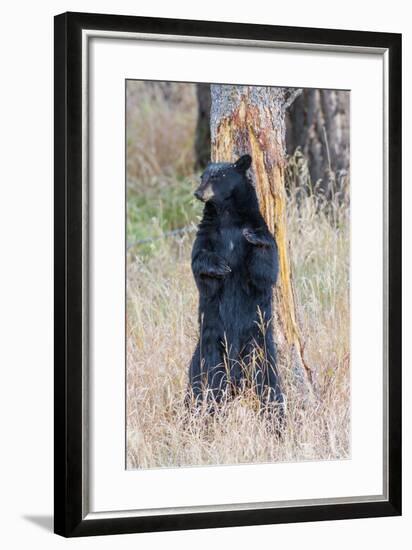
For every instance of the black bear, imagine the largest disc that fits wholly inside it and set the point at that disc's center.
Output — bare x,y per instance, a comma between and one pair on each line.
235,266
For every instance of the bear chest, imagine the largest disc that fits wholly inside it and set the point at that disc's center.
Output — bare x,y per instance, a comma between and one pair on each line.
231,246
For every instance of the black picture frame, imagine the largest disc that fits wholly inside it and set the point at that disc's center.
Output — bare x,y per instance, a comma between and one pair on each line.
69,517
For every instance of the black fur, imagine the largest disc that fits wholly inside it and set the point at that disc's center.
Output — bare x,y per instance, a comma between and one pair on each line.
235,266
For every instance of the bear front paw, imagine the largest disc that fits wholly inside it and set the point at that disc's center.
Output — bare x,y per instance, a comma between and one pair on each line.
215,267
257,237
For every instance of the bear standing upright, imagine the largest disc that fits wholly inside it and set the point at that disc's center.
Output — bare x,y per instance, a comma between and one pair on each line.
235,266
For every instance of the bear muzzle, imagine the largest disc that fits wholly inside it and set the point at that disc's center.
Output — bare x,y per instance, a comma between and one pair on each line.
204,193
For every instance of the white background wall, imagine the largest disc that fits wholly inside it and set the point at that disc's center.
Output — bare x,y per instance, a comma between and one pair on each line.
26,375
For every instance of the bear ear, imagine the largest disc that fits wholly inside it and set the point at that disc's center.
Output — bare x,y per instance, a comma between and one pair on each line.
243,163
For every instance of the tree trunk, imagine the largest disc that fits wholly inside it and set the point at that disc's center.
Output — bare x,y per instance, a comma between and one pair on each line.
318,123
202,141
251,119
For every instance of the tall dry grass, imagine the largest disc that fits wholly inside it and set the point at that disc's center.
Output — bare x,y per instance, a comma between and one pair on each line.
162,313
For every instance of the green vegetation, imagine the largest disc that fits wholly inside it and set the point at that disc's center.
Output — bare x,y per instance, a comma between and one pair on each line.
164,206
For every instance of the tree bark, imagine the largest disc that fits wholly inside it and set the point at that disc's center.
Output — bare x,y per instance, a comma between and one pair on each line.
318,123
251,119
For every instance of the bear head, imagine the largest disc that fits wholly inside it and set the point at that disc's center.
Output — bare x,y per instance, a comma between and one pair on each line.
221,179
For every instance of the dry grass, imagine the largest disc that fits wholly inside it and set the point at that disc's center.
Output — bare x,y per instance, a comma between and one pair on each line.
162,333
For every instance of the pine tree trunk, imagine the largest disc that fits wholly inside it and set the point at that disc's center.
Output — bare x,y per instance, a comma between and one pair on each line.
251,119
202,140
318,123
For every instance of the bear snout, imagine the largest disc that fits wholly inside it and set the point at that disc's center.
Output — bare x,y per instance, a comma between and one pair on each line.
204,192
198,194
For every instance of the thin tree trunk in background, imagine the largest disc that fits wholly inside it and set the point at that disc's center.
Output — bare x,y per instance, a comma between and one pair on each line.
318,123
202,141
250,119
